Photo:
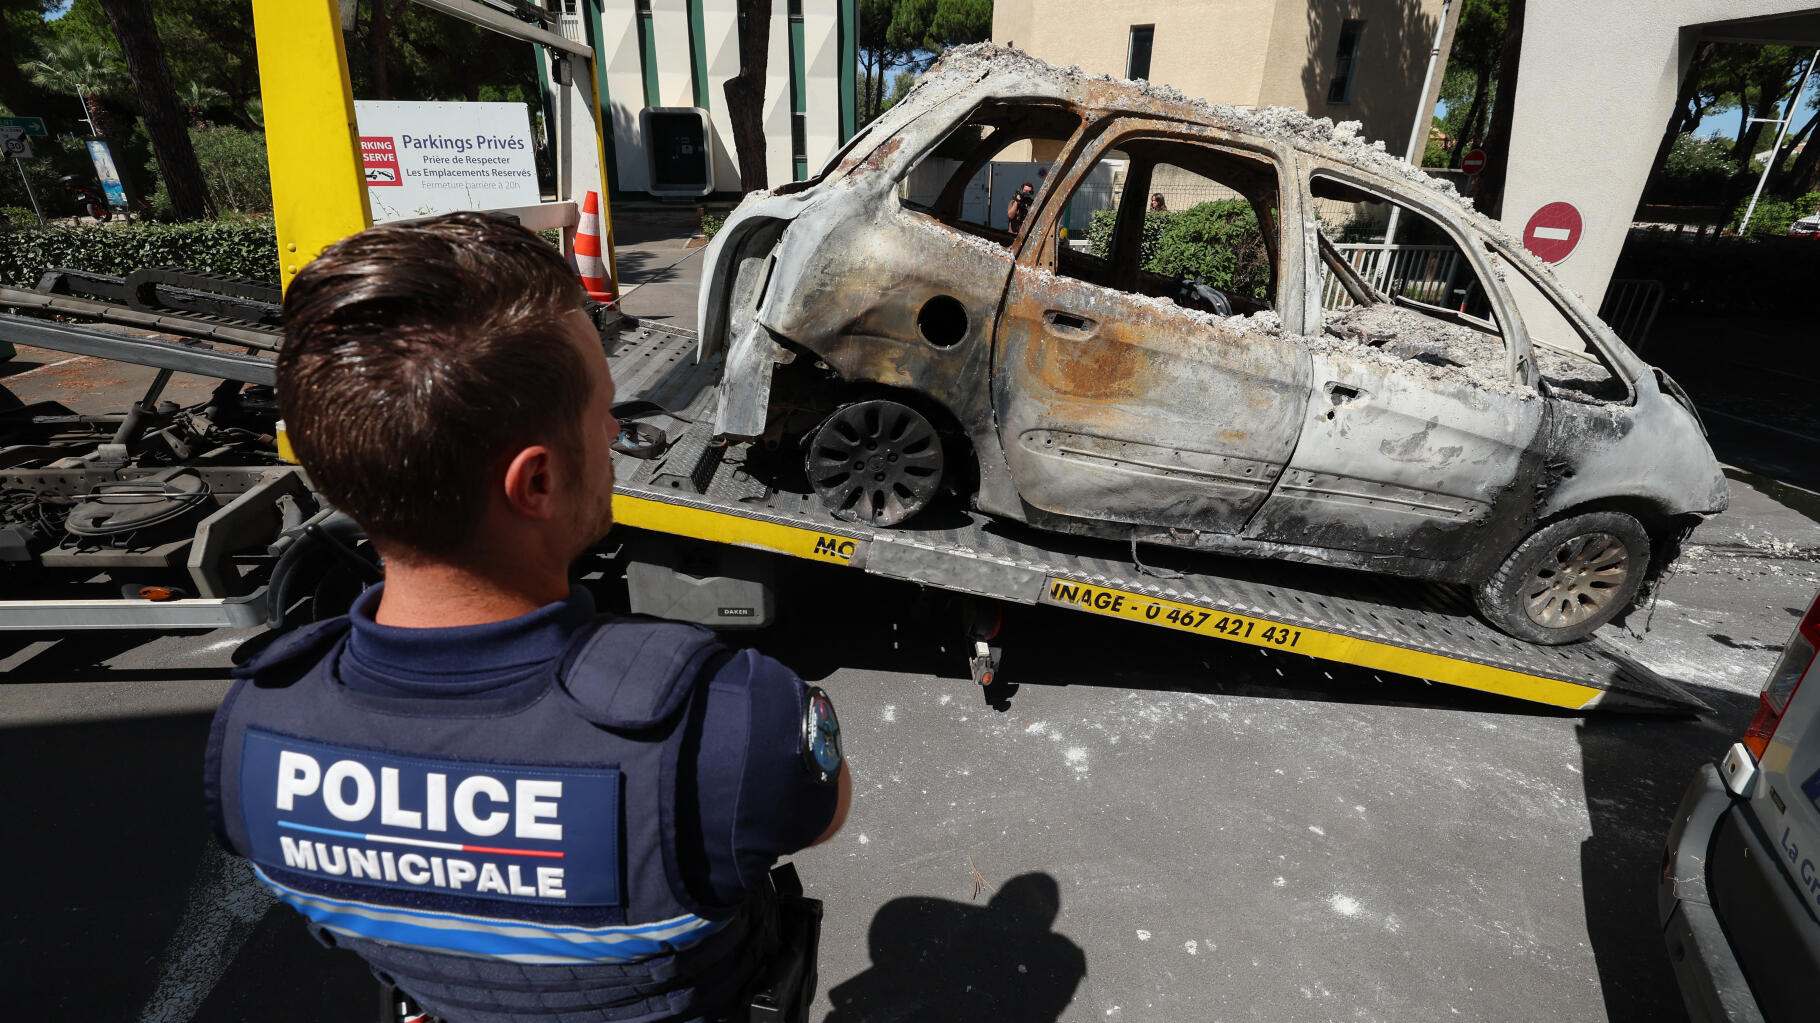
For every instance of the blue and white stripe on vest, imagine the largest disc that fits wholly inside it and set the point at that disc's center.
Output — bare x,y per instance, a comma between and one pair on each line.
512,941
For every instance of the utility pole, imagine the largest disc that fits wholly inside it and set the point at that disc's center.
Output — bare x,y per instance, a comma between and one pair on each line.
1775,151
80,98
1418,139
29,194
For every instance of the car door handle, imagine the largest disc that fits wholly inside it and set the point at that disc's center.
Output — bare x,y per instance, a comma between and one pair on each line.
1341,394
1068,322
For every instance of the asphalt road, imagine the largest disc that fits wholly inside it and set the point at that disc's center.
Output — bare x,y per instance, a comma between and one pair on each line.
1156,827
1153,826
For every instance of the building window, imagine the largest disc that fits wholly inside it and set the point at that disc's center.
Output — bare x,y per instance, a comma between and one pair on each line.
799,136
796,10
1137,58
641,7
1345,61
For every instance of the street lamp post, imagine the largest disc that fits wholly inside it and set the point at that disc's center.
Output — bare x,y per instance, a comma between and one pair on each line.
1775,151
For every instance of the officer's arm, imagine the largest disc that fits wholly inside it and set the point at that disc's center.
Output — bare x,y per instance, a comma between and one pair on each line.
842,801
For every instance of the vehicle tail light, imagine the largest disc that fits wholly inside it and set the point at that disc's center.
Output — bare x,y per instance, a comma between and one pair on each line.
1797,657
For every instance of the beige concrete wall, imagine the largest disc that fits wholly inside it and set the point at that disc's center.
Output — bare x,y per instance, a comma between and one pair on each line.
1387,75
1249,52
1208,48
1594,92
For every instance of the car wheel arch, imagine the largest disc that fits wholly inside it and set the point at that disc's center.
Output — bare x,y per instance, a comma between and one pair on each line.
1666,527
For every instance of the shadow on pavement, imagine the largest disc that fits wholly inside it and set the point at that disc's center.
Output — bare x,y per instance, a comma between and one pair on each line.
1635,772
83,657
122,908
936,959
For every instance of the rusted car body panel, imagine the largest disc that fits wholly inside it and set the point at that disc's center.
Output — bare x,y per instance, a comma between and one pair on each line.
1090,410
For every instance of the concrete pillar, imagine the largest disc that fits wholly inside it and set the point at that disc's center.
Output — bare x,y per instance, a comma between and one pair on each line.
1597,85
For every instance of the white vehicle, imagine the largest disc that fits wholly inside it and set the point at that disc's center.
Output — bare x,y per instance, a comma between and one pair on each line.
1739,895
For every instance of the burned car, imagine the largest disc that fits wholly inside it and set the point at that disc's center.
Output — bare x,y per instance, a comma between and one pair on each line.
1235,330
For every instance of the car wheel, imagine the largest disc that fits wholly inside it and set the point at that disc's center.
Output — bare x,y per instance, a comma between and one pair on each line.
1568,578
876,462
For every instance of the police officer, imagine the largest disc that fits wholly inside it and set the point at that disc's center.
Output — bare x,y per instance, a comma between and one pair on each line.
511,807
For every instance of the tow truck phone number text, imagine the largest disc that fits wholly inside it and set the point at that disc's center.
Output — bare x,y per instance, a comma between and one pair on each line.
1130,605
1227,625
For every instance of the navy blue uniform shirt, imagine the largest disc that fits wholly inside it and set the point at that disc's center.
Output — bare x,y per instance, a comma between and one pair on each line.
755,800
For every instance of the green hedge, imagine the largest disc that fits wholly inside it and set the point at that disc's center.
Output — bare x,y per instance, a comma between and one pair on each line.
1757,276
1218,240
242,248
1774,215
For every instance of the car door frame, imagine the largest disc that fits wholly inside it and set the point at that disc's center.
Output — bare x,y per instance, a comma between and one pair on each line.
1519,362
1373,521
1037,249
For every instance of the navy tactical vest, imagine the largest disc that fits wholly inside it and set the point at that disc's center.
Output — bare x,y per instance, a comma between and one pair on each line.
499,859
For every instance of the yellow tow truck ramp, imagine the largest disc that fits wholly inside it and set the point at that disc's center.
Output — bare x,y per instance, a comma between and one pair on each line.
695,489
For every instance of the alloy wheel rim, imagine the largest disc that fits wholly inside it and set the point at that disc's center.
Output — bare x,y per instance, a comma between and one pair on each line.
1579,580
876,462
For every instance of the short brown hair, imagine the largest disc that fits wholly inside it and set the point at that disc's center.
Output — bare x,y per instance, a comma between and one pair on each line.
415,357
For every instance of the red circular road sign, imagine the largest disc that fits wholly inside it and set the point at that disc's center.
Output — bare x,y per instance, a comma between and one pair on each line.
1473,162
1553,231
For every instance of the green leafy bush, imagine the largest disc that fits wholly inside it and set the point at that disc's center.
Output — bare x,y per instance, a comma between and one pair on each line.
1220,241
234,163
234,169
711,224
1102,223
17,218
1756,276
242,248
1773,215
1697,170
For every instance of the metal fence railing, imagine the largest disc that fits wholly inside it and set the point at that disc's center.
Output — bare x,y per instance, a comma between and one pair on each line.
1430,273
1426,273
1630,309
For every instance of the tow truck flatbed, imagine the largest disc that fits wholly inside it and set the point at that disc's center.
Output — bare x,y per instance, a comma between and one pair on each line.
695,489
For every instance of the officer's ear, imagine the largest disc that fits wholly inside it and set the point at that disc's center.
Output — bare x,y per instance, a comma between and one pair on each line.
529,484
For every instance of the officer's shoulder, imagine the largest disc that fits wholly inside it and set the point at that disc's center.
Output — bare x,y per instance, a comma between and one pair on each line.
281,657
634,671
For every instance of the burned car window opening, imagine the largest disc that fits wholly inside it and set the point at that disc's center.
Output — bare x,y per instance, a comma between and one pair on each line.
974,179
1572,362
1425,302
1186,221
1422,297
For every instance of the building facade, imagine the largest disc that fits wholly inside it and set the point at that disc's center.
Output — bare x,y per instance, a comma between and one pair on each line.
1353,60
664,64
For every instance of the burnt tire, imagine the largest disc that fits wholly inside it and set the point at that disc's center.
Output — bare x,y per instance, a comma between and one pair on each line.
877,462
1567,579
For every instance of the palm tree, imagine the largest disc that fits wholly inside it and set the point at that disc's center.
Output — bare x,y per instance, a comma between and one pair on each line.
198,98
86,67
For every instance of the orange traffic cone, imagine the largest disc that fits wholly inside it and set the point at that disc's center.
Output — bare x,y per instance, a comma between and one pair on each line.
588,265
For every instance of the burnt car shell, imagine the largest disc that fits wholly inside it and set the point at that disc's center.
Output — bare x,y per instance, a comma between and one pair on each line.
834,272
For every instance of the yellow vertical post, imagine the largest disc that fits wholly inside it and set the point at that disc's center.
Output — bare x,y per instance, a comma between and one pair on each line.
600,148
319,191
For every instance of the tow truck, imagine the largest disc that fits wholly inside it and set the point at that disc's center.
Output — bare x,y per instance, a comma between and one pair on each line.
255,546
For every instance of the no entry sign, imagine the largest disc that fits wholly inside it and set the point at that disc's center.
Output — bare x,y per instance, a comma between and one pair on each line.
1473,162
1553,231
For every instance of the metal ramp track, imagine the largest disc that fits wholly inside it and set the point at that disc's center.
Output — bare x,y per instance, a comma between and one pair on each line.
1418,629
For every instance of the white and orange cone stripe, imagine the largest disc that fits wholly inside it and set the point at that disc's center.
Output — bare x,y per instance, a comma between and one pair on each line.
588,263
